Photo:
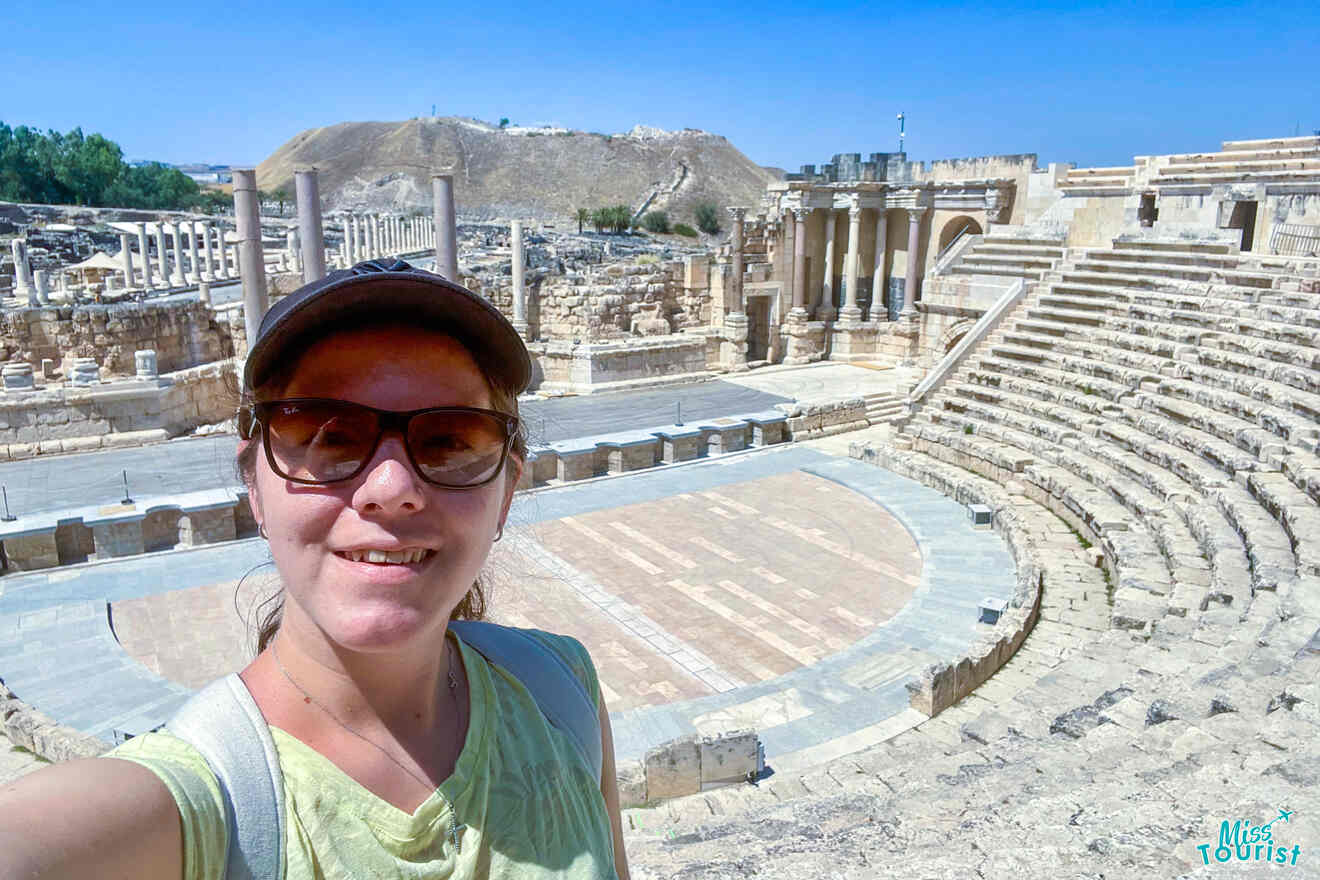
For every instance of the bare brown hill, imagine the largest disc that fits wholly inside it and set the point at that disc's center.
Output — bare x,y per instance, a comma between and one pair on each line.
532,172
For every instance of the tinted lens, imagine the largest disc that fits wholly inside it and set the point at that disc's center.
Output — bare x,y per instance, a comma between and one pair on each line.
457,448
320,441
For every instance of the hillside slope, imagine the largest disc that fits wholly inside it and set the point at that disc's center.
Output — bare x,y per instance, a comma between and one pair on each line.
500,173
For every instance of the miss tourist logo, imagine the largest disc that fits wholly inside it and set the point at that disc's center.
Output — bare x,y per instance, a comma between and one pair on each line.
1243,842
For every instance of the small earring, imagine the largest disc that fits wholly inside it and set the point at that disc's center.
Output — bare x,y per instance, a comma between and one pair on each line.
261,530
499,534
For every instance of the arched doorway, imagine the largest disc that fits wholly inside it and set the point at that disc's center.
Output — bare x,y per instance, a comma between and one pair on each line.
957,226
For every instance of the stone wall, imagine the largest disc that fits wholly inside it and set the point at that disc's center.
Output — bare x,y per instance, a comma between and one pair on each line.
183,334
113,414
614,301
607,366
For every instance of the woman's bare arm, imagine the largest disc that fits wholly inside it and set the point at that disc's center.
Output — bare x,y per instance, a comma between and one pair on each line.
99,817
609,787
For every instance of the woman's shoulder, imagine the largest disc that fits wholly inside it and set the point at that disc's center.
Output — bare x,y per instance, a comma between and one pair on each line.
196,791
568,649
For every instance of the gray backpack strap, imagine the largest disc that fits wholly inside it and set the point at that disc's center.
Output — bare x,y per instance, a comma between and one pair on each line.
559,693
223,722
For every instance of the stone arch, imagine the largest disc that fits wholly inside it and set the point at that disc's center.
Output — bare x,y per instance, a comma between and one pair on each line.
954,228
954,334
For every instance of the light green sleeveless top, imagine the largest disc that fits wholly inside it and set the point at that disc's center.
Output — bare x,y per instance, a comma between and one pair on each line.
531,807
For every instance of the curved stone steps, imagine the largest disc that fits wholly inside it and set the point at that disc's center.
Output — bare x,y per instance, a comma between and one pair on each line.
1050,757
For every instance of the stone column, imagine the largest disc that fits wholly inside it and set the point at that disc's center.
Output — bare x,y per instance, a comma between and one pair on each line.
209,274
291,255
790,238
196,274
179,274
163,254
825,312
914,263
144,248
126,256
734,303
446,228
41,286
878,286
519,288
252,262
850,311
307,189
799,311
350,238
23,281
226,271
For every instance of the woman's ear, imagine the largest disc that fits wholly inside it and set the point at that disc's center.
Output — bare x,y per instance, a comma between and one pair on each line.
254,497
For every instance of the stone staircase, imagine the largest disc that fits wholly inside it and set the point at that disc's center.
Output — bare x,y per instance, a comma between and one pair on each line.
1279,160
1016,255
885,407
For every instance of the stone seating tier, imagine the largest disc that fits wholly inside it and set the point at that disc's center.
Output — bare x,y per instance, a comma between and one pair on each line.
1227,459
1289,383
1232,445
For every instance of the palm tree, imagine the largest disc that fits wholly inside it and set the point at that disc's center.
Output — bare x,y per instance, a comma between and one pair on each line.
583,216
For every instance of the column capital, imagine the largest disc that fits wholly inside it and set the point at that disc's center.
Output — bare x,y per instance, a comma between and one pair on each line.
855,212
801,213
915,212
737,213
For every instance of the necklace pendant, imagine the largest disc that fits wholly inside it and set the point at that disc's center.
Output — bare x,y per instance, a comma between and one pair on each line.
453,835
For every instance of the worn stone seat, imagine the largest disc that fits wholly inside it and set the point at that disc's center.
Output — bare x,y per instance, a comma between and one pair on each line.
1183,272
1132,481
1142,579
1210,177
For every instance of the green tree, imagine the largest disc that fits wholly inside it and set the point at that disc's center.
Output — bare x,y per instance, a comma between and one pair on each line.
583,216
601,219
504,122
708,217
656,221
281,197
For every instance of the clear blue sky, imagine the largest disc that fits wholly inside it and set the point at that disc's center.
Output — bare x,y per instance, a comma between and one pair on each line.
787,83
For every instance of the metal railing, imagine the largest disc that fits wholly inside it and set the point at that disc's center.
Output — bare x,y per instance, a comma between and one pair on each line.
952,249
979,331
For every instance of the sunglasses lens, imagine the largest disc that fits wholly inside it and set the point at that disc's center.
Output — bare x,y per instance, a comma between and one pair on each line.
320,441
457,449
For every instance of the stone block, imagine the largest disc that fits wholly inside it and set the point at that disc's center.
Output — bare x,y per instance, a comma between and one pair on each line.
673,769
680,445
31,552
730,758
577,464
211,526
722,438
544,466
631,776
767,432
991,609
17,377
633,456
981,515
121,538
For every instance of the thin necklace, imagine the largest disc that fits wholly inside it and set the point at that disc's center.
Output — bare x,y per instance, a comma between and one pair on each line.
454,827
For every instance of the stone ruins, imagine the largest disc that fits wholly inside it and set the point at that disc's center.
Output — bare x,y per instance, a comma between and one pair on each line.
1115,370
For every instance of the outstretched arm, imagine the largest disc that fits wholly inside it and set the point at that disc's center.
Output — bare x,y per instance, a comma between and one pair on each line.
609,787
99,817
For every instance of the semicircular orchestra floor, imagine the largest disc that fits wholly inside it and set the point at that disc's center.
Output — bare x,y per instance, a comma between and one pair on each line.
677,597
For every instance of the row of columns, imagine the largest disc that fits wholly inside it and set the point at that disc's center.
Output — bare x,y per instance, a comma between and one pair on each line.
370,236
206,258
795,226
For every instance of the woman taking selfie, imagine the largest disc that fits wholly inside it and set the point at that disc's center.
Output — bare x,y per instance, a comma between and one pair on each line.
380,443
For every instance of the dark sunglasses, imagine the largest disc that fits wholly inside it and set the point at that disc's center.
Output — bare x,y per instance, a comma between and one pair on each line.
318,441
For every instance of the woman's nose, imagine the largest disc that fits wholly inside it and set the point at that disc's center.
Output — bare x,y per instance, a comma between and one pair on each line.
389,484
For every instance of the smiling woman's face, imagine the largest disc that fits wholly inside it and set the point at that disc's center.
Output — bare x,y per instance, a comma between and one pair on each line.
318,534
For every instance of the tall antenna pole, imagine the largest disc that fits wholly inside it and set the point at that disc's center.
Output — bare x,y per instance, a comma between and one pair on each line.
901,119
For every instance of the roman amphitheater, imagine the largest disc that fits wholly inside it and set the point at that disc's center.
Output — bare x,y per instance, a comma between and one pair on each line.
950,519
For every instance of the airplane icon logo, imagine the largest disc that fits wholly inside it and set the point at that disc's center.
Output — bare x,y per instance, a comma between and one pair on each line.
1285,815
